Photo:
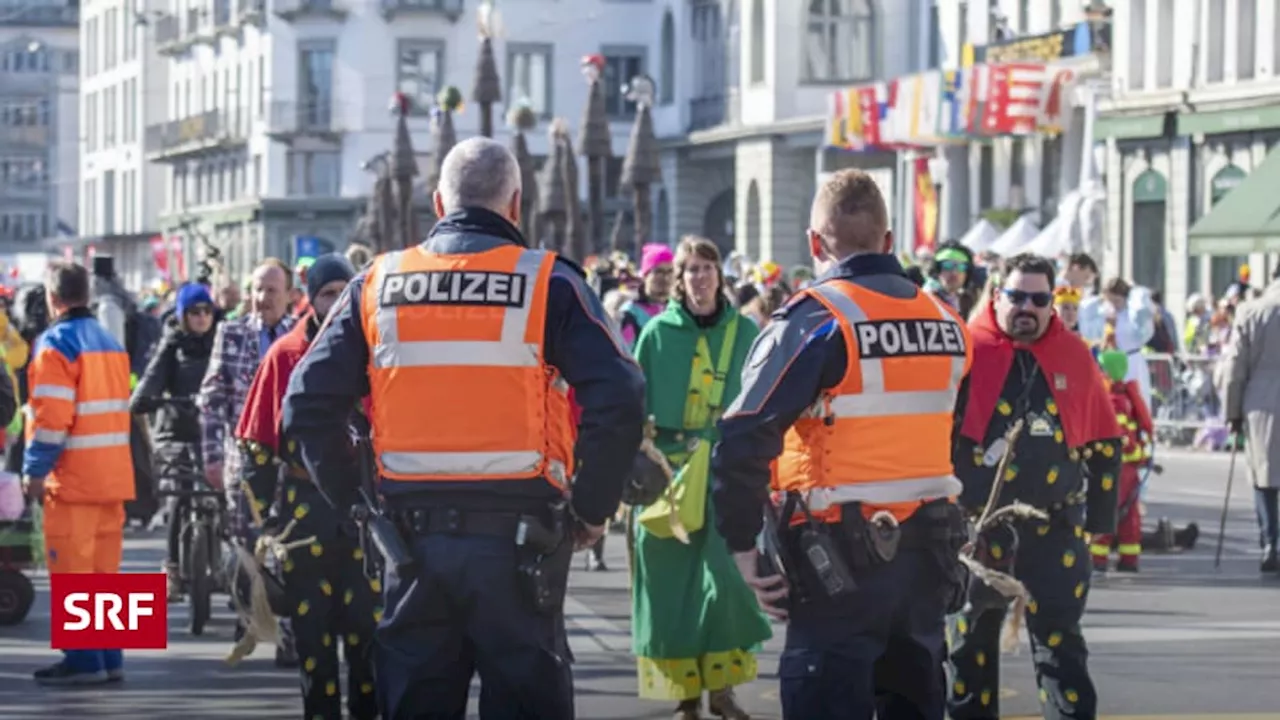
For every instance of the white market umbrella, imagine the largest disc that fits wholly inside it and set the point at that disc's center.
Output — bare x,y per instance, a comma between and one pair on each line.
980,237
1016,238
1054,240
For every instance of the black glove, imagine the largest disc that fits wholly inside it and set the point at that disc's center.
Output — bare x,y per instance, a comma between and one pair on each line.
1236,425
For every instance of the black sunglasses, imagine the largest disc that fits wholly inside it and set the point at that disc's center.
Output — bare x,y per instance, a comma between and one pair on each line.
1022,297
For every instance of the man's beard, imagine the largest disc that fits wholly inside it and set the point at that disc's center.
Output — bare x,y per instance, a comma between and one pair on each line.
1024,326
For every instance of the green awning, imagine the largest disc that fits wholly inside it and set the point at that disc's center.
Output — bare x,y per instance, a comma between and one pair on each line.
1246,220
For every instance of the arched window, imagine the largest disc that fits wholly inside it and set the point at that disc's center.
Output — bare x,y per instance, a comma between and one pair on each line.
840,41
666,87
757,41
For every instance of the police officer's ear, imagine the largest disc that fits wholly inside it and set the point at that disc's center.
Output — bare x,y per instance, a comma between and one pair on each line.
437,204
888,243
816,248
513,209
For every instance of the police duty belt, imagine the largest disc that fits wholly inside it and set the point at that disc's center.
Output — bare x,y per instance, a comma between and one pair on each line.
1005,584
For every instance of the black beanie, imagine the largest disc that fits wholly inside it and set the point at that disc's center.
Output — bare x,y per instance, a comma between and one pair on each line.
327,269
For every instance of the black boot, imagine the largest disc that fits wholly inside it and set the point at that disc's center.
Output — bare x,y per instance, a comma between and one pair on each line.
1270,563
1187,536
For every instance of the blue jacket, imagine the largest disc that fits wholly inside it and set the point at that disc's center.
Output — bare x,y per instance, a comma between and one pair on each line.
607,383
800,353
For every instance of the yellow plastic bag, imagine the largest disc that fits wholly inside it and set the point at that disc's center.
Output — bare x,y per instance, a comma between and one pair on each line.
683,509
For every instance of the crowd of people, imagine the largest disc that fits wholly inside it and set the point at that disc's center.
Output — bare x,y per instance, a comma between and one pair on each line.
805,382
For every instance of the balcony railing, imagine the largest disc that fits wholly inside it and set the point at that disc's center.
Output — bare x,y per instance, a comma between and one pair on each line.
221,13
33,15
198,133
449,9
292,9
168,33
31,135
250,10
308,117
706,112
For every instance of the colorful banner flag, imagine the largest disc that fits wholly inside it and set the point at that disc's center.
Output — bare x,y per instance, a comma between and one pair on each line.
926,207
160,256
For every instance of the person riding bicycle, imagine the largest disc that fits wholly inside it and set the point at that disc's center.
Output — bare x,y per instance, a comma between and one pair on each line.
175,371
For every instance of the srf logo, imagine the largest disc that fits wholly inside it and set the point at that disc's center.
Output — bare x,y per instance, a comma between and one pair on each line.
106,611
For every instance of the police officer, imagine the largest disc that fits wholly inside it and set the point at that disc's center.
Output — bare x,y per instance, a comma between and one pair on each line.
466,346
851,388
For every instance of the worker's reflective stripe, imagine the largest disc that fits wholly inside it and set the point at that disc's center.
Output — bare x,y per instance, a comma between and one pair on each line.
874,400
911,402
882,493
53,437
872,370
1100,549
59,392
101,440
492,464
1129,548
510,351
1134,456
99,407
957,361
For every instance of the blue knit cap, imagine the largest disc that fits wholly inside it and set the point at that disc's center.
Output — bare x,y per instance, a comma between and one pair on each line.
190,295
327,269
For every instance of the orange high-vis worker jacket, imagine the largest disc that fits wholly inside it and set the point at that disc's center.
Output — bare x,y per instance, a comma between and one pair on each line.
882,436
460,386
78,413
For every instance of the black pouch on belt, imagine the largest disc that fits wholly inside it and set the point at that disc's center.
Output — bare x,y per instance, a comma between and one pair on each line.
545,553
818,555
948,531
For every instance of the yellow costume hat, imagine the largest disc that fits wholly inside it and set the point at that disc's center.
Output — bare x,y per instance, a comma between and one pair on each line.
1066,296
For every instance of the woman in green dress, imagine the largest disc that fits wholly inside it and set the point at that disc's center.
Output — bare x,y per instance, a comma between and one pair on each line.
696,624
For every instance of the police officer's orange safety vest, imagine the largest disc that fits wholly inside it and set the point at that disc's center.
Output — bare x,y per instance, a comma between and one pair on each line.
460,386
882,436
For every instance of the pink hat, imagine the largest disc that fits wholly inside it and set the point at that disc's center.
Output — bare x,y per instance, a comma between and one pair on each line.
653,255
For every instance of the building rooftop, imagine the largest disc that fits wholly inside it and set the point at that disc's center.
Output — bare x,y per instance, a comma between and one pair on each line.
38,13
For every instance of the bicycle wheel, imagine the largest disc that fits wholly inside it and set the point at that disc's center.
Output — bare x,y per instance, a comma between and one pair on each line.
200,597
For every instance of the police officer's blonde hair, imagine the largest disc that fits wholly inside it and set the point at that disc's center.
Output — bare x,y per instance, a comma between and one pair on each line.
850,214
479,173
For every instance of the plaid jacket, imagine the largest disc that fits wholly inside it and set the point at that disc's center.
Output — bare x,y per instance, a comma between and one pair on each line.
232,364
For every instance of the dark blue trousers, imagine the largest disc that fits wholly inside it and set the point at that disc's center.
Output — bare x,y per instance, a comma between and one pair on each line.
463,611
879,653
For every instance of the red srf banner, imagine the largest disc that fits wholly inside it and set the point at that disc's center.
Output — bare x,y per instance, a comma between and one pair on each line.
160,256
1013,105
926,207
179,260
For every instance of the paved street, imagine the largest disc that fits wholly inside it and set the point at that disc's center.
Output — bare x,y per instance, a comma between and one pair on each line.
1178,641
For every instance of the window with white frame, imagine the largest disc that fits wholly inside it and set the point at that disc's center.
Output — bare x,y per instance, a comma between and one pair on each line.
529,76
622,64
839,41
1137,44
314,174
1215,46
420,72
1164,43
1247,39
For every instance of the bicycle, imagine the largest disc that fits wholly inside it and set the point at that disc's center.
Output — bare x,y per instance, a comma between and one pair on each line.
200,509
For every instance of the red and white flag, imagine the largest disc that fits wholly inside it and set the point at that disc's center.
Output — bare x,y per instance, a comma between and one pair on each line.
1013,107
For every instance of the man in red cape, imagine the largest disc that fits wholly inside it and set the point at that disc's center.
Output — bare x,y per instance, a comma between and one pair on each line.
333,600
1028,367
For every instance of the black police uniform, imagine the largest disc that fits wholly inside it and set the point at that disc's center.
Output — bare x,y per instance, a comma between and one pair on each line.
880,650
1050,558
462,606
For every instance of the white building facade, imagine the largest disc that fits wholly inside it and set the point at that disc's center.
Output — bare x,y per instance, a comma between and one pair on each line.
38,121
266,113
745,125
1025,174
1195,108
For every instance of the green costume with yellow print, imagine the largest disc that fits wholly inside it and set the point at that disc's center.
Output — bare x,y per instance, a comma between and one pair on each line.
696,624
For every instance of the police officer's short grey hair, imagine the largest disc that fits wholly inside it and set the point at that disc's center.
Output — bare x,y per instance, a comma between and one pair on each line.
479,172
